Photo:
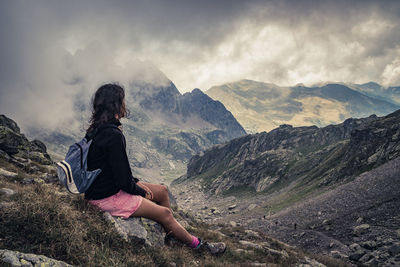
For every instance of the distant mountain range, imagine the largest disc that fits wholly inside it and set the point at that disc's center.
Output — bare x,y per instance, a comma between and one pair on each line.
261,106
164,128
310,157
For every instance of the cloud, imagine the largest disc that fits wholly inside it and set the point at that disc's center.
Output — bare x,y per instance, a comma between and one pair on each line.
53,52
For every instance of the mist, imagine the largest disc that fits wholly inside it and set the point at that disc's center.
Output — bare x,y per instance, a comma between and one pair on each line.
55,52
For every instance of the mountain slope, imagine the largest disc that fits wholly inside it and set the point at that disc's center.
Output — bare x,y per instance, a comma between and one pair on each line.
261,106
302,154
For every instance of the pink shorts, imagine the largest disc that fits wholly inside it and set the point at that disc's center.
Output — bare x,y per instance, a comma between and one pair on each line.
121,204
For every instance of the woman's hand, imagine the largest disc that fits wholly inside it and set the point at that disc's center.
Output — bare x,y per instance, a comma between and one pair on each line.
149,194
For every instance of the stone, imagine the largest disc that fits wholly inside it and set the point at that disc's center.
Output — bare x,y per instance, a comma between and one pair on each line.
252,233
258,264
4,155
394,250
231,207
359,220
138,230
252,206
16,258
7,174
398,232
338,255
368,244
277,253
355,256
365,258
361,229
308,262
7,191
250,244
355,247
233,224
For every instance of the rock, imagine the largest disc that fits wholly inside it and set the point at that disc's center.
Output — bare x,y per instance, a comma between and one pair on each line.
239,250
394,249
355,256
338,255
4,155
252,233
398,232
368,244
258,264
138,230
250,244
361,229
15,258
9,123
277,253
39,145
233,224
359,220
365,258
372,262
307,262
252,206
231,207
7,174
355,247
7,191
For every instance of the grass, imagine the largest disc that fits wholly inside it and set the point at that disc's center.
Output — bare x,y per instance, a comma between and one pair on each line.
46,220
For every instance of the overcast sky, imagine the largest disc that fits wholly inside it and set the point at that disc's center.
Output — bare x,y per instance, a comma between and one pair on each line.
53,50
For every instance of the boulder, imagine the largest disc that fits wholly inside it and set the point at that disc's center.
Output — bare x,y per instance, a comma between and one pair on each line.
338,255
15,258
7,174
9,123
361,229
138,230
7,191
252,206
394,249
368,244
250,244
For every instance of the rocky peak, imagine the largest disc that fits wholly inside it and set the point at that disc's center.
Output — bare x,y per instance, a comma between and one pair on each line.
15,147
327,155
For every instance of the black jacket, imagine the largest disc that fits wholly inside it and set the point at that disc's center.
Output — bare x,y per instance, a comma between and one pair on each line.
108,153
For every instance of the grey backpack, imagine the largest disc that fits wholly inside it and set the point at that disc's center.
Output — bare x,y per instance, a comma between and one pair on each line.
72,171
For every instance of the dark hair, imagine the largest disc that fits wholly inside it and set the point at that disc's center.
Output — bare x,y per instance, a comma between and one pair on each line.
107,102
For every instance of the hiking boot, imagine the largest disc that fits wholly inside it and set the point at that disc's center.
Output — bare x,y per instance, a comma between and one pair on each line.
216,248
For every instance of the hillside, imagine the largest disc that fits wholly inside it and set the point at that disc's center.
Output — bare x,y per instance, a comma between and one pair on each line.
43,225
262,107
321,179
164,128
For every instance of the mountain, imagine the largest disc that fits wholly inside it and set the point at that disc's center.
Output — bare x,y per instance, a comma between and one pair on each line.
331,190
390,94
308,156
262,107
164,128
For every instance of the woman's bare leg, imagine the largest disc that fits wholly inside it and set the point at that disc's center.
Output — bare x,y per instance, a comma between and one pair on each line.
163,215
160,193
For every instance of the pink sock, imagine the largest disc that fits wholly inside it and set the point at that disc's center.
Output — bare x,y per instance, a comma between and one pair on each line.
195,242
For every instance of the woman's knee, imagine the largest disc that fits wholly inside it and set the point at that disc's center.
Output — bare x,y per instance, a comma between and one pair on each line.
164,190
166,216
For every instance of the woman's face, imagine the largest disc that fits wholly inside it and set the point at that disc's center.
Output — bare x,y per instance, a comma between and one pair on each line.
117,116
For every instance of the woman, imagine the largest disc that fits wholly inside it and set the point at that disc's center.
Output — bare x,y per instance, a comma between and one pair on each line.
115,190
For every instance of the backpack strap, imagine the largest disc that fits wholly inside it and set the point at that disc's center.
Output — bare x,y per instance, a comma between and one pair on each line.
93,133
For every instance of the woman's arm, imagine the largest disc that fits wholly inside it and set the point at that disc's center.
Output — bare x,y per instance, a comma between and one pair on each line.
119,163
